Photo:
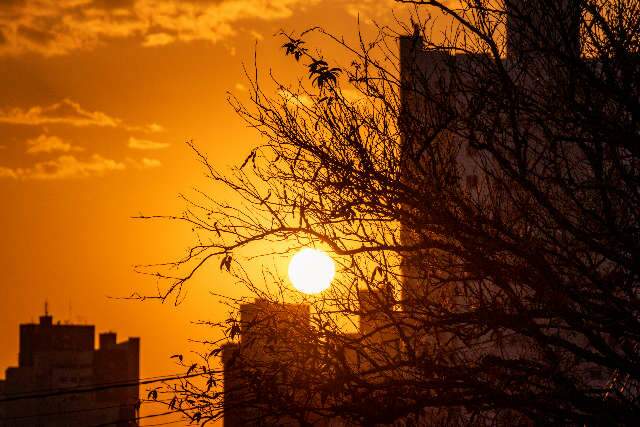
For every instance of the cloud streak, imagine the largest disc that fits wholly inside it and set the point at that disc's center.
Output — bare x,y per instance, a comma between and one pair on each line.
145,144
64,167
70,167
63,26
48,144
371,9
70,113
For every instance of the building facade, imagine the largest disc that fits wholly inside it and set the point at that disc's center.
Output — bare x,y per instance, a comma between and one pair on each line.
257,363
63,380
271,368
432,82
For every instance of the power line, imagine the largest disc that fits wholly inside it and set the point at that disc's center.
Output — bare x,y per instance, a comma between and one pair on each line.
98,387
74,411
110,423
114,422
115,383
142,418
163,424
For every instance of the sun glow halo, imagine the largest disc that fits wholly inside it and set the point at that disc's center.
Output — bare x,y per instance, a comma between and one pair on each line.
311,271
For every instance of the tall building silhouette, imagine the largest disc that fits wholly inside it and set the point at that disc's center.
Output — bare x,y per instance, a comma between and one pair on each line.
258,361
430,88
436,86
273,348
63,380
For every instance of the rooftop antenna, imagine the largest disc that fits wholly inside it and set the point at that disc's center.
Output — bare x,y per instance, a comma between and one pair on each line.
46,307
416,28
417,33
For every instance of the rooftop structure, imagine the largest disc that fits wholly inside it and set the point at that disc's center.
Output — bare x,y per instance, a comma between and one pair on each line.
54,360
422,72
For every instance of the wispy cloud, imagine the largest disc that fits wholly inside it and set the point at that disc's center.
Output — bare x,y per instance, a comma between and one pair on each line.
144,163
158,39
371,9
150,163
70,167
145,144
62,26
49,143
7,173
64,167
68,112
64,112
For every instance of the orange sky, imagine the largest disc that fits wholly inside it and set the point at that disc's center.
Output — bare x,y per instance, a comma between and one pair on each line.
98,97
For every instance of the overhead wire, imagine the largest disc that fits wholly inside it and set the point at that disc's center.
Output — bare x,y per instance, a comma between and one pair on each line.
163,424
74,411
158,377
144,417
111,422
106,424
98,387
101,387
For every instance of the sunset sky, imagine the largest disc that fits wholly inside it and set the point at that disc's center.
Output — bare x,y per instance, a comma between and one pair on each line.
98,98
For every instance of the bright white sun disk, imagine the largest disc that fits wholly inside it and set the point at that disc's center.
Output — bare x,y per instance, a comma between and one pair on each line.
311,271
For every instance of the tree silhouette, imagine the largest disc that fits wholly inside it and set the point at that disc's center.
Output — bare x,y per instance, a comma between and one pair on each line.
480,192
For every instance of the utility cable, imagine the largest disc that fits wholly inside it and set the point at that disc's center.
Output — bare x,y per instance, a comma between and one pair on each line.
97,387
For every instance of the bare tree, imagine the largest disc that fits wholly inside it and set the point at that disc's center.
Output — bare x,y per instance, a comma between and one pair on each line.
480,192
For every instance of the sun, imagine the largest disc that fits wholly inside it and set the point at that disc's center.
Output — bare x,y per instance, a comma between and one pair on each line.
311,271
